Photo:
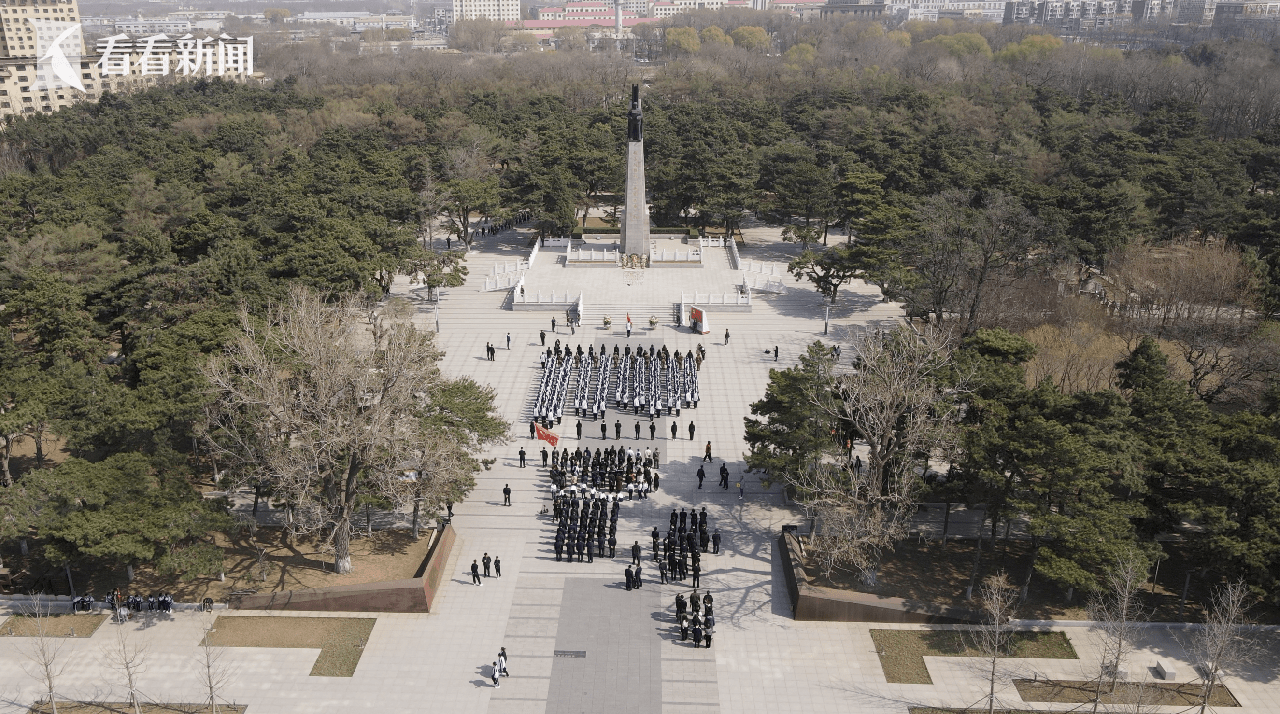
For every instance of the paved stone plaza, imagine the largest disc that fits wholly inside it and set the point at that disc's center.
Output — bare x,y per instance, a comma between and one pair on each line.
762,660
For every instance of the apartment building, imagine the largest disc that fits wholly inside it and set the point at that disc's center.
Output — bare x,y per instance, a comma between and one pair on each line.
507,10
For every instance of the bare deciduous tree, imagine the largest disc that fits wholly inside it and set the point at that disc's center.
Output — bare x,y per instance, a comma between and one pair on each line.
1117,614
998,597
1204,299
44,651
1222,643
895,399
129,662
323,401
214,672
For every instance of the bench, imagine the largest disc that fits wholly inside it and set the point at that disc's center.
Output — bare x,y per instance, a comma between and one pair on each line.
1165,669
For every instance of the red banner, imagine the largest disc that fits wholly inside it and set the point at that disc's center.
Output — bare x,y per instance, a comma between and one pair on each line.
547,436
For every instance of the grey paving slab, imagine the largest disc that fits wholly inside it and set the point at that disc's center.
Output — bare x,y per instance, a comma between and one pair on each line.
619,667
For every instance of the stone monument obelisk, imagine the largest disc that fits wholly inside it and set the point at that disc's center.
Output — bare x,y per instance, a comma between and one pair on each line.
635,212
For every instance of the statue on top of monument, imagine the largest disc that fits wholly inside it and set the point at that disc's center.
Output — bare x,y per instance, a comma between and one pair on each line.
635,121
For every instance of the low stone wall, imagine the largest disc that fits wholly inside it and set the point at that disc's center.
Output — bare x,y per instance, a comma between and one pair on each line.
414,594
810,602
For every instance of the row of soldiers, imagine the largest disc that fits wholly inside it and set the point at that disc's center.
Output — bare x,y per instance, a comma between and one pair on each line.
613,469
584,525
680,552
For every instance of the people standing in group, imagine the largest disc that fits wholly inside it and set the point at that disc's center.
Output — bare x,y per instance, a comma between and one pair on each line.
497,566
488,562
675,429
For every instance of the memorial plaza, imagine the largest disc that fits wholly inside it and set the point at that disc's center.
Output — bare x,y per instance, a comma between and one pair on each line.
619,649
579,638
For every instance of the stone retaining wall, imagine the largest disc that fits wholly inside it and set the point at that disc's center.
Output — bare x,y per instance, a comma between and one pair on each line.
409,595
810,602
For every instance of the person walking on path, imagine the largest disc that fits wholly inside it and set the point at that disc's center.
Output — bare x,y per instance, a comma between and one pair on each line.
675,428
692,429
542,336
739,489
497,568
707,456
637,431
475,573
715,542
487,561
493,673
579,428
724,476
506,490
653,430
502,662
635,553
522,457
508,341
726,337
775,353
701,475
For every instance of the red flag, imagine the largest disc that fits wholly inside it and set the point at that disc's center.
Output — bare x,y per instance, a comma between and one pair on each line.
628,318
546,436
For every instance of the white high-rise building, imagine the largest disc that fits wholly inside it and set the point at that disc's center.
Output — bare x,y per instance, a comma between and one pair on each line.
506,10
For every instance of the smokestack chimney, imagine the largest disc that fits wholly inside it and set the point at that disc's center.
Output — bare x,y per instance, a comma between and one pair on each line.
617,19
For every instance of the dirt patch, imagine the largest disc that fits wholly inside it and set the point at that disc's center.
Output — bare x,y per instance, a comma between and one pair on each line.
54,625
902,652
126,708
341,640
387,555
1173,694
927,572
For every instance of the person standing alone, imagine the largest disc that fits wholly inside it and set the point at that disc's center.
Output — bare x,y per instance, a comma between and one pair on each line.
506,490
475,573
